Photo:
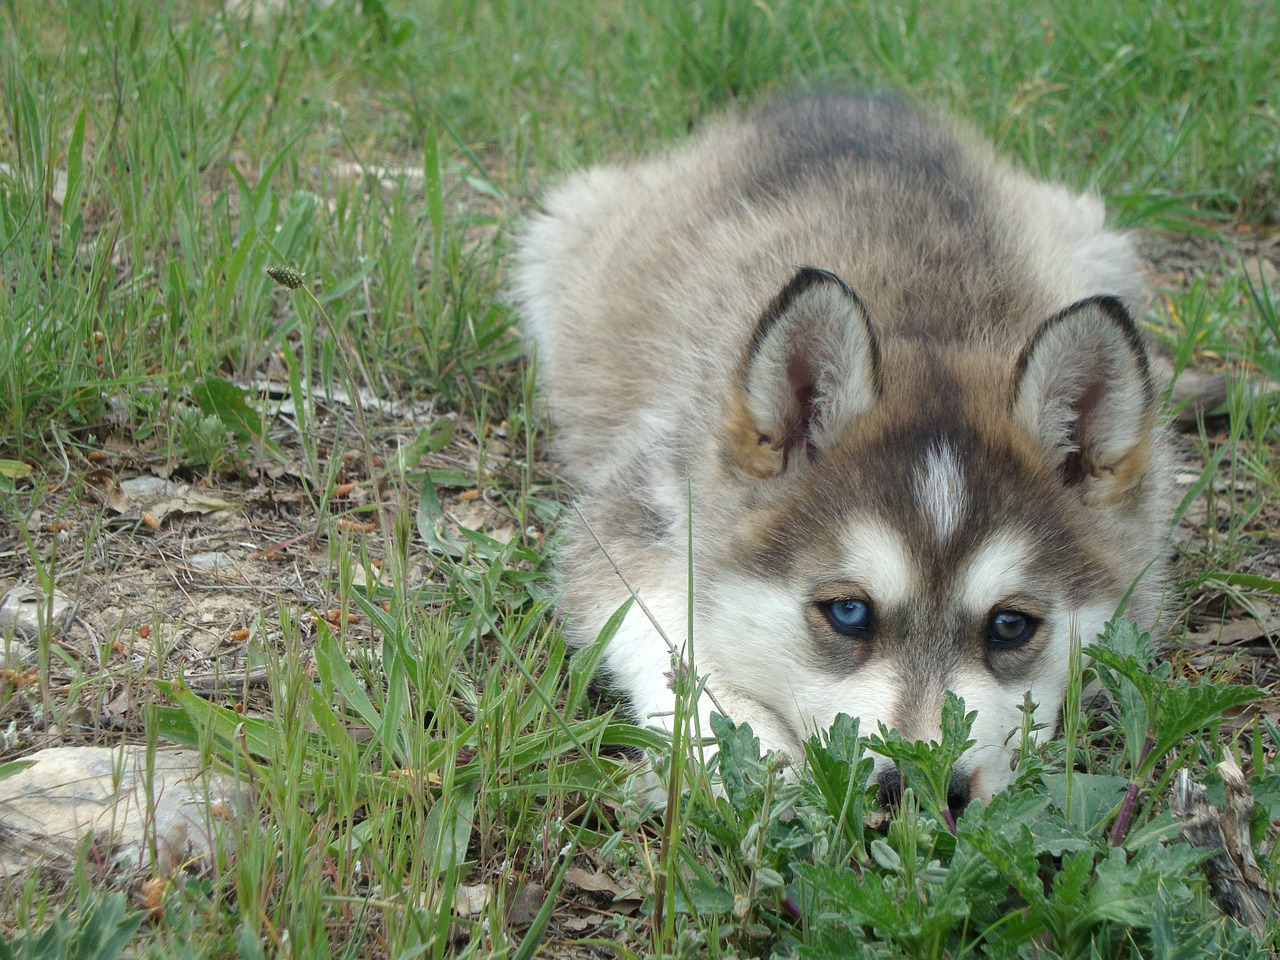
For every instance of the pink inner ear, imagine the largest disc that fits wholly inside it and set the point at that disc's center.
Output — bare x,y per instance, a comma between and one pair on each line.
1072,470
1083,407
804,406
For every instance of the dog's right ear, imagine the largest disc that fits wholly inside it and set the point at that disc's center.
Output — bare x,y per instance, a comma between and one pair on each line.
811,368
1083,390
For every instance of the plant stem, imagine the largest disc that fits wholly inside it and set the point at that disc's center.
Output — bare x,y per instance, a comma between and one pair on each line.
1121,826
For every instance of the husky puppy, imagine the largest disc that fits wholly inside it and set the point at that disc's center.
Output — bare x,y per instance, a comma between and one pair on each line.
894,389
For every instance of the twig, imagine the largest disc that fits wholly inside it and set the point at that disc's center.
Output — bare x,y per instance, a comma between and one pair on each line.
1238,883
671,647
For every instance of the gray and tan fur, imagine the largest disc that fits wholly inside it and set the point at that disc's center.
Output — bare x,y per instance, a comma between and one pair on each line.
881,372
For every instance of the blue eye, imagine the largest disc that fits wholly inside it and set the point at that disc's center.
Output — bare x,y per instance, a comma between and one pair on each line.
849,617
1009,628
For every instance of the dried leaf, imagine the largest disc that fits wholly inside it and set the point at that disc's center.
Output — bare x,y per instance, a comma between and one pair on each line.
595,882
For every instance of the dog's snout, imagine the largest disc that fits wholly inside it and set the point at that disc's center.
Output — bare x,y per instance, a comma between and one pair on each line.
959,791
890,784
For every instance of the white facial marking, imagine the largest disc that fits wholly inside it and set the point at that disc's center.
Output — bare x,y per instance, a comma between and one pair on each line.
743,631
877,558
870,694
996,570
939,489
997,727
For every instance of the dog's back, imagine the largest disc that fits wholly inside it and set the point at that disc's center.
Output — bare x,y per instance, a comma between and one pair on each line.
860,355
648,278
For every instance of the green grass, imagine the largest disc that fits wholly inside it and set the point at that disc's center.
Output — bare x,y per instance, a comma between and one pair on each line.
160,157
199,148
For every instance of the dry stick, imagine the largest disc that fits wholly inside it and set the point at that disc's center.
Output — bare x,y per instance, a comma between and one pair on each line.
671,647
1237,882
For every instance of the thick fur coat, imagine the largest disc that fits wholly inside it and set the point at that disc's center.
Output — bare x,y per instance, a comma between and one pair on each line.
893,387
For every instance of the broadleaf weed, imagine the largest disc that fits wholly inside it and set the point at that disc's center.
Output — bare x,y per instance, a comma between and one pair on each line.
1005,874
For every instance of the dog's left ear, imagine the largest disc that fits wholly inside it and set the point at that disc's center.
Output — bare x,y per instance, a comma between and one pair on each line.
811,367
1083,389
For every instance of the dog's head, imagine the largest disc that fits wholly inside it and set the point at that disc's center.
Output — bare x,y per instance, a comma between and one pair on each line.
931,515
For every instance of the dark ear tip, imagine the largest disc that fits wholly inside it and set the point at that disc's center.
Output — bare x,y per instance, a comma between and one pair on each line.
808,276
804,280
1107,304
1115,310
1112,308
814,352
1083,388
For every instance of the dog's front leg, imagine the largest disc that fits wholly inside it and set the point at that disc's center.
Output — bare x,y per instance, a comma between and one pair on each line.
644,667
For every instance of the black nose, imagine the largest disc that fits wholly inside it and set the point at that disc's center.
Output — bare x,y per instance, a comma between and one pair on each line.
890,785
957,793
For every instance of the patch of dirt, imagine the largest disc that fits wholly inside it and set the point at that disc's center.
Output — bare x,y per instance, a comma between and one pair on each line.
1175,261
1224,629
173,572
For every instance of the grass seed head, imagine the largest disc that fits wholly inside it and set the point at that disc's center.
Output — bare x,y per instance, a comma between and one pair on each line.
286,276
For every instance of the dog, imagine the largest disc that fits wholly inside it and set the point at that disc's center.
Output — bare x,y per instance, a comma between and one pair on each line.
864,408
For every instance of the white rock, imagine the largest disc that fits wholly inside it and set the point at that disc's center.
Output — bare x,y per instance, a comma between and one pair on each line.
178,810
214,562
26,609
140,488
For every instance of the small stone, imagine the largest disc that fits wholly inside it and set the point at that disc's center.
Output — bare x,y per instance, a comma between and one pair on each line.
471,900
26,610
1261,273
140,488
15,654
213,562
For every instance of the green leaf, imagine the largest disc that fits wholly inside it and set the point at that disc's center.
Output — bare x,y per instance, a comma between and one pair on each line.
1178,933
1094,797
248,944
926,767
619,733
431,523
703,896
738,760
1011,850
219,398
1252,581
75,171
1159,830
105,929
435,193
1151,703
448,832
430,439
583,663
14,767
1202,483
840,768
1123,888
1121,661
97,930
451,478
15,469
1186,708
334,670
